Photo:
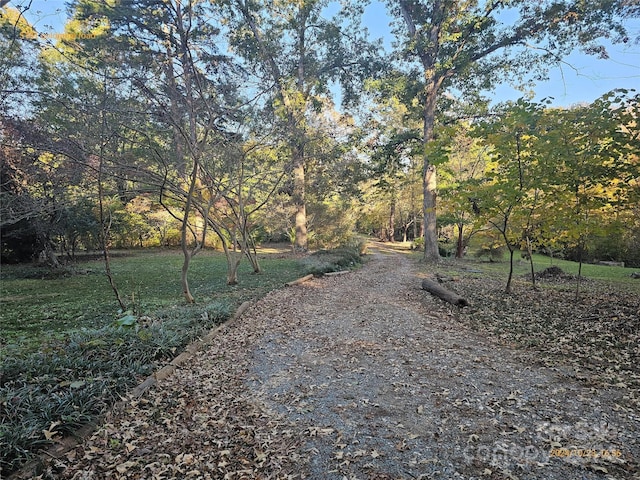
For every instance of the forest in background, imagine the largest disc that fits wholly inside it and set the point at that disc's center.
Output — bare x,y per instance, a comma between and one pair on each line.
192,124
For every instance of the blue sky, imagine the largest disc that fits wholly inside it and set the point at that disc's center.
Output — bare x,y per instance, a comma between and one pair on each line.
586,79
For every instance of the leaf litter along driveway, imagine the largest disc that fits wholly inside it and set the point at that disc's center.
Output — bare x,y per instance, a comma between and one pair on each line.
363,376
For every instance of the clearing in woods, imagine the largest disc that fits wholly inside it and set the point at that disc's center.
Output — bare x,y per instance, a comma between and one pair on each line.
364,376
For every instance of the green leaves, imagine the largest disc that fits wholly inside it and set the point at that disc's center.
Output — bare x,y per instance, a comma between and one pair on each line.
127,321
560,177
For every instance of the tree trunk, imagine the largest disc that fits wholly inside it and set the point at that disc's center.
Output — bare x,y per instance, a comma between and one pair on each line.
507,289
184,278
429,179
295,114
579,278
184,230
299,132
431,252
299,200
47,255
533,271
441,292
105,225
251,253
392,219
460,244
233,262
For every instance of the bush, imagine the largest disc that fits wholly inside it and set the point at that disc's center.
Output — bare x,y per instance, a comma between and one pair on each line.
334,260
445,251
418,244
494,252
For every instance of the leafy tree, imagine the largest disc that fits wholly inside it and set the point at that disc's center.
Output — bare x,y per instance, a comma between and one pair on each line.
462,175
79,224
561,177
393,144
510,195
471,46
80,109
592,168
335,173
190,90
28,193
35,191
298,54
392,171
20,207
19,63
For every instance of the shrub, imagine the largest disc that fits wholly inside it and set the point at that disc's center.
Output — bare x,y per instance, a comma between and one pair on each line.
445,251
494,252
334,260
417,244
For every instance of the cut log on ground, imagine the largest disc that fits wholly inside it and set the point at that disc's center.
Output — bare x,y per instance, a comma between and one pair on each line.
439,291
335,274
300,280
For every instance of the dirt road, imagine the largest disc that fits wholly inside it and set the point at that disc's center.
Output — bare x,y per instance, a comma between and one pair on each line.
363,376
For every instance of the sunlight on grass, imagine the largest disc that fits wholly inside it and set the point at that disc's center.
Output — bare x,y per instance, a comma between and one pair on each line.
38,308
522,268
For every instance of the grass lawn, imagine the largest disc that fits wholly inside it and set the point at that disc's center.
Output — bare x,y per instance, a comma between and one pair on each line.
39,305
522,268
64,359
540,262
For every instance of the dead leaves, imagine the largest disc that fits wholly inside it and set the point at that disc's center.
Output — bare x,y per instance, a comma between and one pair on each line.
319,431
51,432
599,336
200,423
370,382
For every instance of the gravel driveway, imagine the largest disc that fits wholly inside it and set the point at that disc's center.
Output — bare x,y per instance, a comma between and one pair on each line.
362,376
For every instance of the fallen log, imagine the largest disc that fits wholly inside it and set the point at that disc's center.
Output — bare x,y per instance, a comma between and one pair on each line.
612,264
335,274
447,295
300,280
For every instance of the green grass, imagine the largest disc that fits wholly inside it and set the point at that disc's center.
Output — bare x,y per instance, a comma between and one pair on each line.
64,357
522,268
596,272
43,307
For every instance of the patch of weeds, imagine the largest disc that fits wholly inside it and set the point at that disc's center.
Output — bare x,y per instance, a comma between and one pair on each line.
53,392
494,253
215,313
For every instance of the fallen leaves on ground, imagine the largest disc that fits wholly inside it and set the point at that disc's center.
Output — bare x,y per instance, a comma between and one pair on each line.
365,376
598,336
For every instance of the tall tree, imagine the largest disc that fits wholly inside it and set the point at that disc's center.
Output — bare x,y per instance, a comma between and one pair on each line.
392,171
472,45
297,54
462,174
80,109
